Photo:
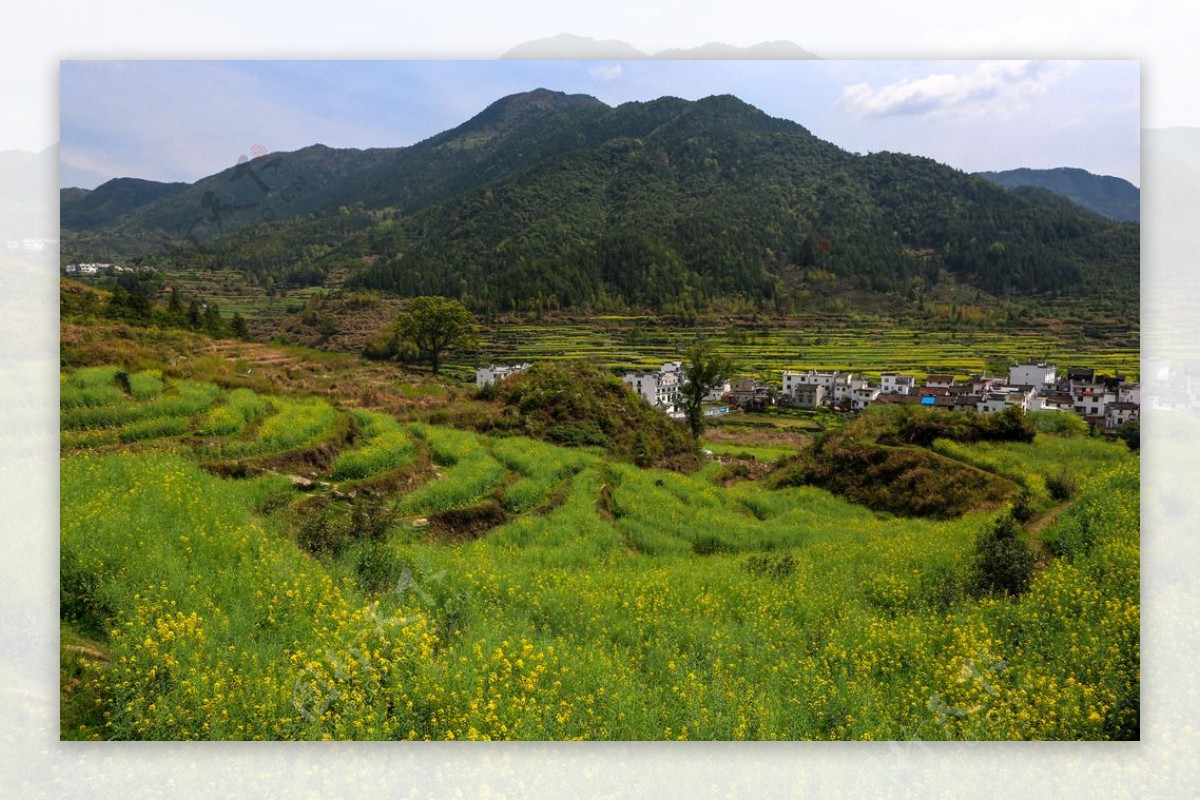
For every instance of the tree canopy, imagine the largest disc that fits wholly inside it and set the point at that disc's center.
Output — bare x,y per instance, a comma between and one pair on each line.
436,325
704,370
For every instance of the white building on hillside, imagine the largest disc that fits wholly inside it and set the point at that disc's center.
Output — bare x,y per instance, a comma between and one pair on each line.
862,395
837,385
1039,374
658,388
1119,413
485,376
1129,393
895,383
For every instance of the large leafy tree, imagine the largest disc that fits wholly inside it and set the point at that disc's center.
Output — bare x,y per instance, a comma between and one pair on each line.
436,325
704,370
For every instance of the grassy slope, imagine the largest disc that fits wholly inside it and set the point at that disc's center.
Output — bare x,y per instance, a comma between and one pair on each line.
614,603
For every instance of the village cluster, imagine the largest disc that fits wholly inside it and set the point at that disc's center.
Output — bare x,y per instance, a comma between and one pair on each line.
1103,401
103,268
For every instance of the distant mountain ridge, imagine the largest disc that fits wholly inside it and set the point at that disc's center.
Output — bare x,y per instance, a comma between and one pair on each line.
568,46
81,210
1114,198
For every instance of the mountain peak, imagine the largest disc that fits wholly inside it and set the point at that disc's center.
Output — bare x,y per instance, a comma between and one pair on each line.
513,109
569,46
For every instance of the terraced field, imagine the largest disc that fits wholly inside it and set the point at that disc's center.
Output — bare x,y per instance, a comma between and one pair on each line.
241,564
828,343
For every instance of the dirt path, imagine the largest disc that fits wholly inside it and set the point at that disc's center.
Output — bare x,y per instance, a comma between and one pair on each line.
1038,524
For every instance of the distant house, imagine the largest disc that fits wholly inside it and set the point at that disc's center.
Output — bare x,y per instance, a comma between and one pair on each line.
1119,413
863,395
1081,374
485,376
963,401
896,399
992,402
1038,374
808,396
659,388
983,383
1052,402
1090,398
894,382
942,381
718,393
1019,398
1129,393
839,386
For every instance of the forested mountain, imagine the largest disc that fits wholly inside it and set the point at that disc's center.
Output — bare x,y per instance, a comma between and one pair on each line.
666,204
80,210
1115,198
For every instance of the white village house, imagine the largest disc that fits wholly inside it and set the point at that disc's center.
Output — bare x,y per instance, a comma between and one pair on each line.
1038,374
659,388
485,376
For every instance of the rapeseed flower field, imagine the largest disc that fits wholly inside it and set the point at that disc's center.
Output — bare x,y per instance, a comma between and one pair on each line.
602,602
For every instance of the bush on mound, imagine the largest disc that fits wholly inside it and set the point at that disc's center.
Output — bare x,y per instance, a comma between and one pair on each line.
577,404
906,481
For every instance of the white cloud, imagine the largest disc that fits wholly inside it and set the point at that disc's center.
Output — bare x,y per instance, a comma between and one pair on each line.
998,86
606,72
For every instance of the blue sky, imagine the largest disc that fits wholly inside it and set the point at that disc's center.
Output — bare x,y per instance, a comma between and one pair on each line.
182,120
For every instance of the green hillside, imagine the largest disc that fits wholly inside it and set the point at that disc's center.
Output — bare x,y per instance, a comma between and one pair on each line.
241,564
665,205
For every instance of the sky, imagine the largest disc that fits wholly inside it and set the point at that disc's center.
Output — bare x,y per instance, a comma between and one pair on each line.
183,120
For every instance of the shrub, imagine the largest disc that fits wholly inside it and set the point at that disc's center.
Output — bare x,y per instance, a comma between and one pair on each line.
1062,485
904,481
771,567
1022,508
1131,434
375,567
370,519
578,434
1066,424
1003,559
577,404
324,532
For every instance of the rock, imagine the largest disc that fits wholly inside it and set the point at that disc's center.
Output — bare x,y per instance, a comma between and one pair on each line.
420,522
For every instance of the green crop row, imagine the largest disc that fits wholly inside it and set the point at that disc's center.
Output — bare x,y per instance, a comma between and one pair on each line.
471,473
543,468
386,451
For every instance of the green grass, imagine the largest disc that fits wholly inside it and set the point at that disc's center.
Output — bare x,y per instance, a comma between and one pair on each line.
183,398
613,603
470,472
386,451
146,384
543,469
292,423
241,407
757,452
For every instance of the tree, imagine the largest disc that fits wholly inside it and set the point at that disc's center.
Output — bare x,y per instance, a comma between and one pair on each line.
703,371
1003,559
175,304
1131,433
239,327
436,325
